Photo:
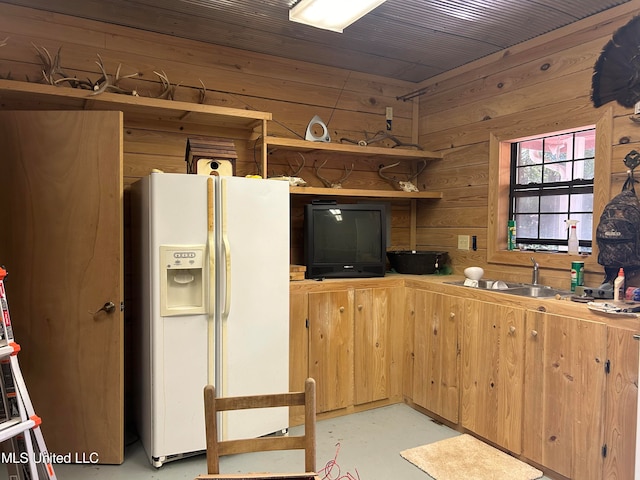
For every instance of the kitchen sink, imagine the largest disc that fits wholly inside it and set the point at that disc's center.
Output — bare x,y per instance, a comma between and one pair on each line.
514,288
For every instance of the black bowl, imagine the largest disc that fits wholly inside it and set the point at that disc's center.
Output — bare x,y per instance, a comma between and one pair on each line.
417,262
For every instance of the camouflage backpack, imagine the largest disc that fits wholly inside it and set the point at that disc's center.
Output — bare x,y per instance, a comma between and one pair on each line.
618,232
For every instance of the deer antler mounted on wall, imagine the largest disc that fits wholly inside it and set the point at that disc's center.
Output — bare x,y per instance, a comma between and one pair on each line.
337,183
405,186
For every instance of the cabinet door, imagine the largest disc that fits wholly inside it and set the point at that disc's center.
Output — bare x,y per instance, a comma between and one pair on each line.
436,366
298,350
621,400
61,242
375,308
493,372
564,394
331,348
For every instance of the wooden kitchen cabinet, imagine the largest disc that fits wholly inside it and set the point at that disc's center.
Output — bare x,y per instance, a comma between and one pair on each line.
621,403
371,339
436,366
493,372
331,348
354,353
378,346
564,388
298,350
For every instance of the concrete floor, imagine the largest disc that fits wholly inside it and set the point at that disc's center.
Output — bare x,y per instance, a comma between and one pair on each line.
365,446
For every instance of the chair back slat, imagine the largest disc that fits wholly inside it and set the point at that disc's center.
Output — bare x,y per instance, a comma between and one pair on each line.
306,441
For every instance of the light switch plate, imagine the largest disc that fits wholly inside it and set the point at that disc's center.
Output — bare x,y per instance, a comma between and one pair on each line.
463,242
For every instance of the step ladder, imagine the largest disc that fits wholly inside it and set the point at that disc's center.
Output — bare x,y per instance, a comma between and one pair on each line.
22,446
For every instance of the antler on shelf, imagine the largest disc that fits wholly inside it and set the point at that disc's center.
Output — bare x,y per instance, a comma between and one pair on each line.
337,183
168,90
51,70
202,97
108,84
405,186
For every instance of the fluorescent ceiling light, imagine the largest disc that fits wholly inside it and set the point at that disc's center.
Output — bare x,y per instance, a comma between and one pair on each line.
334,15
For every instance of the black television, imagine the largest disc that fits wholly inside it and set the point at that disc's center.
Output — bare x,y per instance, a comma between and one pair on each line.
345,240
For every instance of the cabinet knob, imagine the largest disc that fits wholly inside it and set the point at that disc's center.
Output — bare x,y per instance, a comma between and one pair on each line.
359,307
341,309
534,333
512,329
452,315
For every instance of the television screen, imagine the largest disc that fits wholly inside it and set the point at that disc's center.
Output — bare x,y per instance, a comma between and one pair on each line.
345,240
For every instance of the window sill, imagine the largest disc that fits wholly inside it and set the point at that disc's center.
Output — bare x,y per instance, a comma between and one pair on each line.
554,261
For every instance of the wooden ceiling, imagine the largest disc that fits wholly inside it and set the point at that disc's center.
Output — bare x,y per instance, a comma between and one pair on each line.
410,40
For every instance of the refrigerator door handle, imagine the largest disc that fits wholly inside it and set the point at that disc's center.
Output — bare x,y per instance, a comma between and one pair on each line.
212,283
227,250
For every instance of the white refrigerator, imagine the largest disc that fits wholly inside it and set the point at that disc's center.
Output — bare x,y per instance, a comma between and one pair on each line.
212,275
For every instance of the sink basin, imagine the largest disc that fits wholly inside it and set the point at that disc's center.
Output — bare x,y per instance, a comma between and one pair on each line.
536,291
514,288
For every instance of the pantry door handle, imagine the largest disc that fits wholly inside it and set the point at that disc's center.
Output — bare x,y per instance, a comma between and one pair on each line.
108,307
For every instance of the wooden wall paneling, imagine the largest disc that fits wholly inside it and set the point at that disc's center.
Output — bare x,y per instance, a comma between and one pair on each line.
477,132
596,26
470,216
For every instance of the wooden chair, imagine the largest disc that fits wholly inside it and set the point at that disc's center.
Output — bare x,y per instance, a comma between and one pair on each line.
307,441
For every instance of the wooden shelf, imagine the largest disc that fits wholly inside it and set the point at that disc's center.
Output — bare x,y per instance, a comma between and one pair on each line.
14,93
274,143
351,192
32,96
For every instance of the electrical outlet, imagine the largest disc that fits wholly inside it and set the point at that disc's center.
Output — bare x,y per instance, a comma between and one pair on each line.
463,242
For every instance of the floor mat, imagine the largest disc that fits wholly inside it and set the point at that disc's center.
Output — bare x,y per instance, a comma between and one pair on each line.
464,456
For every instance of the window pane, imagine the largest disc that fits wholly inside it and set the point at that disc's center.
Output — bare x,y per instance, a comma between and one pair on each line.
527,175
585,144
554,203
530,153
584,169
527,205
558,148
585,225
581,203
526,226
558,172
553,226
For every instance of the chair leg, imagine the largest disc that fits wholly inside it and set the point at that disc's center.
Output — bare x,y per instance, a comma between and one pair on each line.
211,430
310,425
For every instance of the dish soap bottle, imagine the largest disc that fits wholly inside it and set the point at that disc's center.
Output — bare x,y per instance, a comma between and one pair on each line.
618,285
573,236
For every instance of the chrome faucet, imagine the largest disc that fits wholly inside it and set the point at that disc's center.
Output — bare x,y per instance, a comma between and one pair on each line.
534,278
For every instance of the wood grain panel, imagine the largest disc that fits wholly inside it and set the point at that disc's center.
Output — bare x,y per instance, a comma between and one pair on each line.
298,350
331,348
437,366
621,404
372,345
564,394
61,193
493,372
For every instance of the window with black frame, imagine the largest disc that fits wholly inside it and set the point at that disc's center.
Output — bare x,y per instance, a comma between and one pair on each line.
552,182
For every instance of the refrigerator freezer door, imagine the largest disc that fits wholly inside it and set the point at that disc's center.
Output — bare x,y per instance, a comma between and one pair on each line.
177,344
253,341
